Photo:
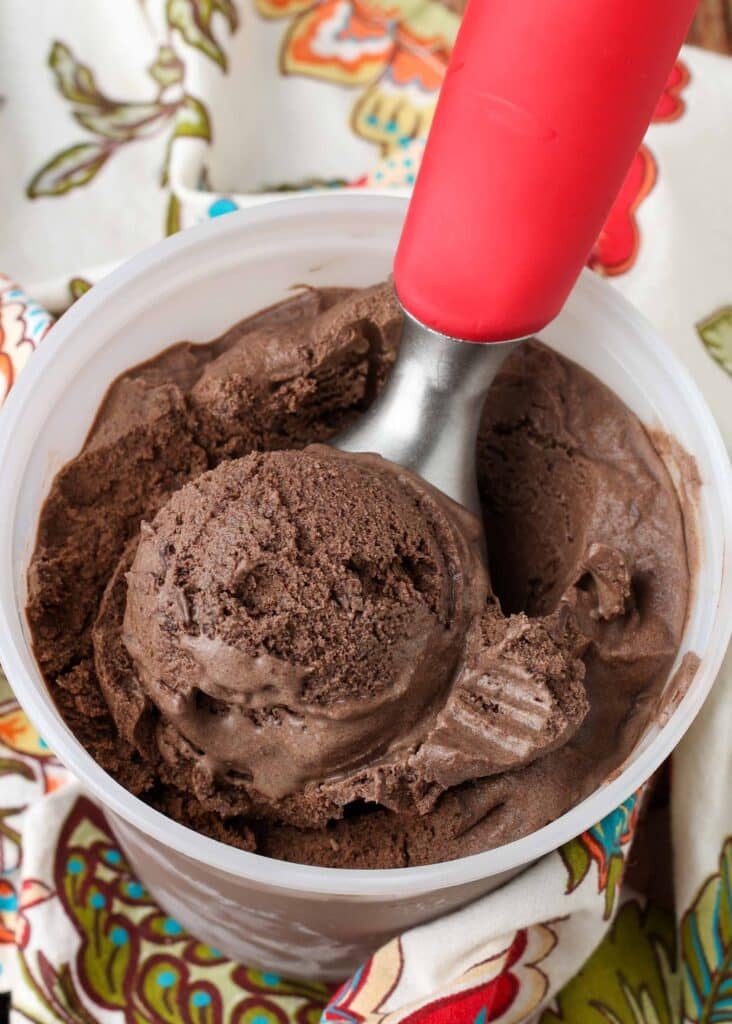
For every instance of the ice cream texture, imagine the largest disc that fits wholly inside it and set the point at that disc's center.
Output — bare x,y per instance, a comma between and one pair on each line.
300,651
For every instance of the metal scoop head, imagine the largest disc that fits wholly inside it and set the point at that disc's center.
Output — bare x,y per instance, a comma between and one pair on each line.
427,417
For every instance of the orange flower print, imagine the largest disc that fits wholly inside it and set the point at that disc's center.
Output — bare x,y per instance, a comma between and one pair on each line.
338,40
22,325
616,250
18,735
34,761
396,51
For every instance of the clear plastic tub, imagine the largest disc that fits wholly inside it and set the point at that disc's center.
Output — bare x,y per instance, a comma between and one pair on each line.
293,918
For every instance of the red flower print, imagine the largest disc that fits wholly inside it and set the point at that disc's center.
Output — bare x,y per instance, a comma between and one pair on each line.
616,250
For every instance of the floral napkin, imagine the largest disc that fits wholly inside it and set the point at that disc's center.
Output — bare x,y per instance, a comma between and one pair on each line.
127,119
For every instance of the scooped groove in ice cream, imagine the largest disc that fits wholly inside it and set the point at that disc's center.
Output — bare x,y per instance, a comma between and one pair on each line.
312,625
299,652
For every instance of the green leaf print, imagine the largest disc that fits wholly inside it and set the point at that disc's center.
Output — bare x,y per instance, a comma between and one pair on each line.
115,123
629,978
5,692
706,948
74,80
69,169
78,286
53,1011
192,120
168,68
605,844
107,958
172,216
161,985
125,121
5,830
193,18
716,335
13,766
61,990
577,861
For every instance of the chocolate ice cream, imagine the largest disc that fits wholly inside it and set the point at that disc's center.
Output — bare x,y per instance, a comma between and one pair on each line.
315,629
300,651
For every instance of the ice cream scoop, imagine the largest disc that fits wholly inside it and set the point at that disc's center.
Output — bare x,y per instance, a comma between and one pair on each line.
315,628
542,108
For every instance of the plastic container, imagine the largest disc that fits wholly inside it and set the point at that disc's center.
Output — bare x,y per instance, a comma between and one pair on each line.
297,919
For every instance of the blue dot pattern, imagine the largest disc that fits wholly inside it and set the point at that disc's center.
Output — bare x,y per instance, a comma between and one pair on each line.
171,927
221,206
271,979
97,901
388,126
135,890
113,856
201,999
166,979
118,936
9,902
36,317
75,866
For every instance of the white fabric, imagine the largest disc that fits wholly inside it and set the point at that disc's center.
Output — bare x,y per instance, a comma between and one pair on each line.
267,129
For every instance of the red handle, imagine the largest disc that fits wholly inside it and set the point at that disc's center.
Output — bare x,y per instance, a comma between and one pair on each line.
542,109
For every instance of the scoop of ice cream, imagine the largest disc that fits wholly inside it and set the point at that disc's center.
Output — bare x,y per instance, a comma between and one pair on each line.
316,628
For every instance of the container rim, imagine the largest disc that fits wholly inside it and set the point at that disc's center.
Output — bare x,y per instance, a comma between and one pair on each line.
309,879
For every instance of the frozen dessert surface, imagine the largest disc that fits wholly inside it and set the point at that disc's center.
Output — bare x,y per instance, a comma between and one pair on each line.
299,651
316,628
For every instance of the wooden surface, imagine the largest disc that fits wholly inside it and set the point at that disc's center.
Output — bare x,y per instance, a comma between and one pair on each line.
712,26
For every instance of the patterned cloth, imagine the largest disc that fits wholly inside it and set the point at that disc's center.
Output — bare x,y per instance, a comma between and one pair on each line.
129,118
